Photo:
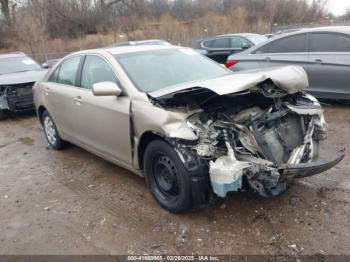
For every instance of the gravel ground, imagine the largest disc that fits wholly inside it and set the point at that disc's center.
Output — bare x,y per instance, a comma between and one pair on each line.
72,202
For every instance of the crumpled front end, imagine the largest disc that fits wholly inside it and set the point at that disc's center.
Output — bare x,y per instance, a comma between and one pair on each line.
254,130
17,97
262,143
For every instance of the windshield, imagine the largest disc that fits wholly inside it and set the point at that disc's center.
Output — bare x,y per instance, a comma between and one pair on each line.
155,70
256,39
12,65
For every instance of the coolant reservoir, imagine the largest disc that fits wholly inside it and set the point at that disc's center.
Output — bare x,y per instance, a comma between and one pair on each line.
226,174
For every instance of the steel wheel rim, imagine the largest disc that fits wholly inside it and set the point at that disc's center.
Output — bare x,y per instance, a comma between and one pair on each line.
50,130
165,176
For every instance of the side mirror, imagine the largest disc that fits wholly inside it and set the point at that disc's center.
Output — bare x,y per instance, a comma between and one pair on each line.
45,66
106,89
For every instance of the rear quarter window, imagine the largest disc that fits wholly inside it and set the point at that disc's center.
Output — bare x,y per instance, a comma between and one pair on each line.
222,43
54,76
66,73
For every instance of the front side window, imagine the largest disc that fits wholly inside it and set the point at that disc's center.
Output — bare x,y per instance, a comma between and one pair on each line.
291,44
329,42
96,70
68,71
155,70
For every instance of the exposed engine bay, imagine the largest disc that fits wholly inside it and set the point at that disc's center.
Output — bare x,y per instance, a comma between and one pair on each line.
255,137
261,139
255,130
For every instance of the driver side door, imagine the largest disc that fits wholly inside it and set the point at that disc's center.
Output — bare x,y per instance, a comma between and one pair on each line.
104,122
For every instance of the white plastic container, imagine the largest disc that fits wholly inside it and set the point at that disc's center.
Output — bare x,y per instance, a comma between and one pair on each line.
226,174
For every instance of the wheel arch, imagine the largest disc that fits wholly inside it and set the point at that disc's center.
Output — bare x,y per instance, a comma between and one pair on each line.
145,140
41,110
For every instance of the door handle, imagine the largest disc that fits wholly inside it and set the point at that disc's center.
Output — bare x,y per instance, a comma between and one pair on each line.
47,91
319,61
78,100
267,59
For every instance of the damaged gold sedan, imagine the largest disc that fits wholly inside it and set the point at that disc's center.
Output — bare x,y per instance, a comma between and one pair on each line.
195,130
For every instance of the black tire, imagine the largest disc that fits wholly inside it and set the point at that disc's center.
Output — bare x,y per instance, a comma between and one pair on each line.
167,177
3,114
51,133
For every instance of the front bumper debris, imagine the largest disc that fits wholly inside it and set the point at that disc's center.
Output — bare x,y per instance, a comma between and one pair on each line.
273,182
309,169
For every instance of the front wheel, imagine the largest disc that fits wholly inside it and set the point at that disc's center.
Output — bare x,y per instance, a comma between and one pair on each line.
167,177
51,133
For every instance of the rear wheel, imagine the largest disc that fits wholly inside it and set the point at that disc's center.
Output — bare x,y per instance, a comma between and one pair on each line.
167,177
51,133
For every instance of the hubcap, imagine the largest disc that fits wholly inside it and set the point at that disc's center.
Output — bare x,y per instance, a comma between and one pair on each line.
50,130
165,176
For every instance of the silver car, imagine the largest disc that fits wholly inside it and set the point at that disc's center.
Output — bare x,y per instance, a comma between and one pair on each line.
193,129
324,53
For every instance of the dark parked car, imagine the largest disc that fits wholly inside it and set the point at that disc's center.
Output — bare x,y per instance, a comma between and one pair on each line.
18,73
219,48
323,52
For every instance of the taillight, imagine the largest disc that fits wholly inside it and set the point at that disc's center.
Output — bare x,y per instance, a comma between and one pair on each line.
230,63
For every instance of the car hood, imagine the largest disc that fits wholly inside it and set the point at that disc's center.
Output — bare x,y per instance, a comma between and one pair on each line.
291,79
22,77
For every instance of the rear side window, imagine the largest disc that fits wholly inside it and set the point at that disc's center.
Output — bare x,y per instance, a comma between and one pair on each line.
221,43
291,44
329,42
96,70
68,71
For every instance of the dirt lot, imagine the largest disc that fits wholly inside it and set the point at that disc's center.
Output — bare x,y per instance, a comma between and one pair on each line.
72,202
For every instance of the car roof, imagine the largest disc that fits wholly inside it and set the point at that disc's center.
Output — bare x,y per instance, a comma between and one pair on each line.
133,49
140,42
238,34
229,35
127,49
334,29
11,55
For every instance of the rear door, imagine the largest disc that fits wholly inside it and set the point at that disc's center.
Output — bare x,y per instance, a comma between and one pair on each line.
104,122
59,94
329,70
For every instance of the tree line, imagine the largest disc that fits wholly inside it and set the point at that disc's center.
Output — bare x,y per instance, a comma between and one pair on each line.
23,21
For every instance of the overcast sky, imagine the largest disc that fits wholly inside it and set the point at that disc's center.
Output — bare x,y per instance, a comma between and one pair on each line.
338,7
